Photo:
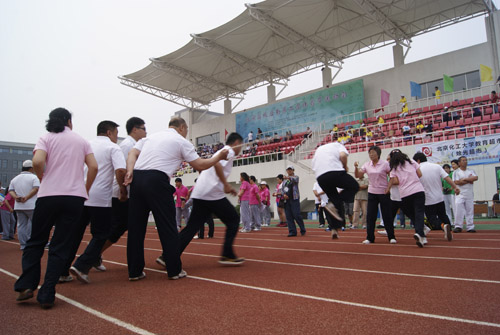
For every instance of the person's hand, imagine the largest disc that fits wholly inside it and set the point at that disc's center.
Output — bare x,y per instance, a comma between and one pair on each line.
356,164
457,191
388,190
128,178
11,210
285,197
123,194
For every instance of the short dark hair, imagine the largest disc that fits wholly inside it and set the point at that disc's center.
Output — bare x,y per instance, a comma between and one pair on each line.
178,180
280,176
25,168
104,126
446,166
436,87
419,156
233,137
460,158
253,179
176,122
493,92
134,122
58,119
376,149
455,161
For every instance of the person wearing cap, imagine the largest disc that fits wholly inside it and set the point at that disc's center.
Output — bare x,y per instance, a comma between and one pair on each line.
24,189
292,202
265,199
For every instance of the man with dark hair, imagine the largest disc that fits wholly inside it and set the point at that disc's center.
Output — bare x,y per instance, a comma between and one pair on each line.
150,164
136,130
97,209
435,209
464,202
24,188
209,198
180,195
292,202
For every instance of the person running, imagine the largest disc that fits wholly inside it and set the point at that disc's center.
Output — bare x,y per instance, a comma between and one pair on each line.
330,168
150,165
377,171
406,174
97,210
58,161
435,210
209,197
265,199
244,197
254,203
280,202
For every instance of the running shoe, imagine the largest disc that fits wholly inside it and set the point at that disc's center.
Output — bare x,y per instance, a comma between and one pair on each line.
420,240
393,241
161,261
65,279
367,242
330,208
426,230
447,232
82,277
139,277
98,265
181,274
335,234
231,261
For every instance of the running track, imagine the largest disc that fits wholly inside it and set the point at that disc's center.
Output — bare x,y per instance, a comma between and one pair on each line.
302,285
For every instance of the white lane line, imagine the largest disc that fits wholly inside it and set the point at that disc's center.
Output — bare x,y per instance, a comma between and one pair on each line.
336,301
94,312
336,268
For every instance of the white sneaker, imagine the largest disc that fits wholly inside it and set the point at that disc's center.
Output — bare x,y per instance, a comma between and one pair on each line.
245,230
82,277
426,230
393,241
256,229
420,240
141,276
366,242
195,237
181,274
425,240
65,279
382,232
330,208
447,232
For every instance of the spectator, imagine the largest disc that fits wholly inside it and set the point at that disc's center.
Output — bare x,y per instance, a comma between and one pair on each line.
476,110
496,200
420,127
464,202
361,203
455,115
7,215
276,138
406,129
404,111
292,203
335,128
449,194
308,132
446,115
380,122
259,133
250,136
494,100
437,94
280,201
369,135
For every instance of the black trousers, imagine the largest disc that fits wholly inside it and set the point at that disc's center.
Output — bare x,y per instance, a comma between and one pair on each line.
100,222
414,207
436,214
119,220
211,228
371,215
64,213
202,209
321,215
329,182
151,191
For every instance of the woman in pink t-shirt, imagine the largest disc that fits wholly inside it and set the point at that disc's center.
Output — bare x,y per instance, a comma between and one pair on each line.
265,199
7,215
405,172
58,161
254,202
244,196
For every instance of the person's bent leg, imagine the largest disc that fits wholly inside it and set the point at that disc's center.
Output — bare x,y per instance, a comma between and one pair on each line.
228,215
199,215
386,207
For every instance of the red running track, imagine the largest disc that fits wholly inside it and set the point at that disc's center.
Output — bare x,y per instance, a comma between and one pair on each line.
309,284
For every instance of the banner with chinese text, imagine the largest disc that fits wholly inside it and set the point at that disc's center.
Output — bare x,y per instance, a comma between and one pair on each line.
307,110
478,150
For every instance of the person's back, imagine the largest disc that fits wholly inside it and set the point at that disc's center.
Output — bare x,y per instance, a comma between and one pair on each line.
431,180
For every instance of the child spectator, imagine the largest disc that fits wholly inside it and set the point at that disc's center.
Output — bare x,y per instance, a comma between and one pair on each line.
420,127
494,99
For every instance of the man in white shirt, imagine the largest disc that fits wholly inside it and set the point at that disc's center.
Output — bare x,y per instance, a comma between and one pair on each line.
464,202
330,167
24,188
209,198
97,209
435,209
320,201
136,130
150,165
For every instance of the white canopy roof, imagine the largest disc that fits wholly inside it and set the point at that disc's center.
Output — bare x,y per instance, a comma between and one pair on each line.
275,39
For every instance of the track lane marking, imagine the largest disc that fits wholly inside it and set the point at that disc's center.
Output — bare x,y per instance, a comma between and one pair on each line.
92,311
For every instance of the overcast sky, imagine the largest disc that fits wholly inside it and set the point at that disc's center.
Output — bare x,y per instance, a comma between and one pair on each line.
59,53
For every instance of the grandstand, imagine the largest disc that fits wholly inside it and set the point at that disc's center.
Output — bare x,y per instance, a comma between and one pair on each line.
274,40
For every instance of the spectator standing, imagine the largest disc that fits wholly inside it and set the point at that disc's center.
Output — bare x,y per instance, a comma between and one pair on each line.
7,216
24,188
181,195
380,122
320,201
250,136
437,94
361,203
464,178
292,203
58,156
496,200
265,199
244,197
254,203
494,101
448,194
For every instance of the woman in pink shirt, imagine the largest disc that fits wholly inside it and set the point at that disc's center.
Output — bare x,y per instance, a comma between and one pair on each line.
58,161
7,215
244,196
255,204
406,173
377,171
280,203
265,199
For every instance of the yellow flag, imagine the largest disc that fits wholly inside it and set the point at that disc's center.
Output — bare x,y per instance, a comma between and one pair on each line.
485,73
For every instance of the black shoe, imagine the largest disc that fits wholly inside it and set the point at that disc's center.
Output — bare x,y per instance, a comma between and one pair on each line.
46,305
291,235
380,226
25,295
457,230
303,233
471,231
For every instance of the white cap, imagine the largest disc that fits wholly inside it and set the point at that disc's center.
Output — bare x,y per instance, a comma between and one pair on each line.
27,164
263,183
290,167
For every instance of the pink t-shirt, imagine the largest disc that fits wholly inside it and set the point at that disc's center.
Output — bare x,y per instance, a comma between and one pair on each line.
377,176
265,196
254,190
278,192
181,192
10,200
409,183
66,152
245,186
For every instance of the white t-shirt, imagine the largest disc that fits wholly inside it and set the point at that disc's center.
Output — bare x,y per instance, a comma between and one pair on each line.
126,145
164,151
250,136
431,179
208,185
467,190
327,158
22,184
324,197
109,158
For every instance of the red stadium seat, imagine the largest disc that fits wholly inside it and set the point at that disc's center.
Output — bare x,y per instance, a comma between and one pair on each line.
426,109
486,118
495,117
